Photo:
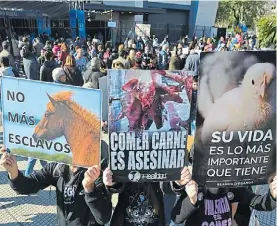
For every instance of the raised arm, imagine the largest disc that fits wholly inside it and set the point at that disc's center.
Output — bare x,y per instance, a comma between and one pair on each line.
96,196
38,180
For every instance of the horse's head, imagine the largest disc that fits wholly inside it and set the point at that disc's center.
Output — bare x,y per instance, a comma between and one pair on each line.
51,125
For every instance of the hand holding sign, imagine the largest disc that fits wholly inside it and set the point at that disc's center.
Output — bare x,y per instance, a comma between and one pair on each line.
8,161
108,177
185,176
273,187
90,177
192,191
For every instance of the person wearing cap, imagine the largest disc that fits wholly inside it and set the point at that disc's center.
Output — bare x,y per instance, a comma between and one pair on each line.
59,75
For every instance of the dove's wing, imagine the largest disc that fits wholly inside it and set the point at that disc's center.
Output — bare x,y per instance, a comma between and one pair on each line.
219,73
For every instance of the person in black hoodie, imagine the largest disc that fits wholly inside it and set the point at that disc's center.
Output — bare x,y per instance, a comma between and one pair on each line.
213,206
48,66
140,204
82,200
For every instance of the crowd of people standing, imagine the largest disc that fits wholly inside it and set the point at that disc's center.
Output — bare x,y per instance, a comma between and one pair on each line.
81,63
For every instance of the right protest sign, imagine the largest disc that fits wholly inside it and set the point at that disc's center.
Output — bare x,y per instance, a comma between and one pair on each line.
235,141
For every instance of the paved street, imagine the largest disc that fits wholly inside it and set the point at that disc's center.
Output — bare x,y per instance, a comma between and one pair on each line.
18,210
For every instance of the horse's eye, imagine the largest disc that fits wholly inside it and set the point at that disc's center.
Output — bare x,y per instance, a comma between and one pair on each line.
47,114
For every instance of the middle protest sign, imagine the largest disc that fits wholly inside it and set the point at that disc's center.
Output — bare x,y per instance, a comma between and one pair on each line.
52,122
149,115
235,141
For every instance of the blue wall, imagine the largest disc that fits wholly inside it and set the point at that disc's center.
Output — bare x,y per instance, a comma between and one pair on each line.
192,17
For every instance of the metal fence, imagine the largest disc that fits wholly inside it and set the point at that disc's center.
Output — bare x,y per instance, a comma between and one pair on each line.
202,31
160,30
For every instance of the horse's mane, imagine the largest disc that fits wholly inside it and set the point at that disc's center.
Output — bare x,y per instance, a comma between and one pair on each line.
65,98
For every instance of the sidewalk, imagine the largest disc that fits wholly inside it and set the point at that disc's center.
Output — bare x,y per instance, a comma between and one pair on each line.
35,210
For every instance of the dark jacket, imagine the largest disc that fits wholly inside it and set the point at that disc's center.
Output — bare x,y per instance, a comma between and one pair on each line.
139,203
75,207
92,75
73,76
216,208
30,63
46,71
192,63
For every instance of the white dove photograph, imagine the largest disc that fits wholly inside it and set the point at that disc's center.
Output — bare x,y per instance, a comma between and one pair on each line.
236,122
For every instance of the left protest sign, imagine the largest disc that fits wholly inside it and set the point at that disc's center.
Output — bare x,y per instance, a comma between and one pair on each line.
149,114
51,121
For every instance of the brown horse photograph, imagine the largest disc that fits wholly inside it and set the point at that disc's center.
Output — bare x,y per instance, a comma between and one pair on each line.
80,127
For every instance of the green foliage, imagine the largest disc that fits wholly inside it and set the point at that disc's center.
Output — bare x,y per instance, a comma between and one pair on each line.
267,30
232,12
62,158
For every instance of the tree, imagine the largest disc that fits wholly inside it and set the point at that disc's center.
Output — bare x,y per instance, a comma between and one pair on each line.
233,12
267,30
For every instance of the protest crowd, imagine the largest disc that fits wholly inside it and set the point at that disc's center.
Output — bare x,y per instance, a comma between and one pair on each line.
84,195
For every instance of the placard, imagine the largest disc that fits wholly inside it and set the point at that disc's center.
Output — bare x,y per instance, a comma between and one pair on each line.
52,122
235,142
143,30
149,115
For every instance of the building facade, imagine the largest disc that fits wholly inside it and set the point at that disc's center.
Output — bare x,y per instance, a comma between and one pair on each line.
174,18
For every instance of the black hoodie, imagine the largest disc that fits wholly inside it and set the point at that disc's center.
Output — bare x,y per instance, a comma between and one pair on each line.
75,207
215,208
139,204
46,71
